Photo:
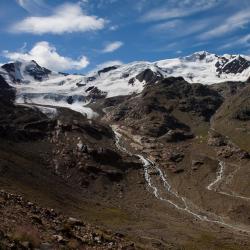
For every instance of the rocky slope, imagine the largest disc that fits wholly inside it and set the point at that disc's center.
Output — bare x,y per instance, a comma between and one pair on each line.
48,160
159,110
43,228
232,119
165,165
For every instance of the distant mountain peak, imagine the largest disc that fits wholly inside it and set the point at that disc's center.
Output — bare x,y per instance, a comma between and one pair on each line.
203,53
22,71
199,56
39,85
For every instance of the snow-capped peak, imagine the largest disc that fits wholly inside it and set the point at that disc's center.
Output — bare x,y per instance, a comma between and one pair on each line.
25,72
200,55
39,85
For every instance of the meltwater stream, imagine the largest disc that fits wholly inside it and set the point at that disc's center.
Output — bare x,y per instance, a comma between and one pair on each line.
177,201
220,176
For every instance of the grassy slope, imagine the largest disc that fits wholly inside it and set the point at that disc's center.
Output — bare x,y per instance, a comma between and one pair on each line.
225,123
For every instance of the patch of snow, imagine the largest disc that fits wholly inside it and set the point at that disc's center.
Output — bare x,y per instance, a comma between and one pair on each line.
72,91
77,106
50,112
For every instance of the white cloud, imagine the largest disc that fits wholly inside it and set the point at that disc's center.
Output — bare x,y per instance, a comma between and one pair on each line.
177,9
162,14
237,21
165,26
111,47
243,41
47,56
113,27
66,18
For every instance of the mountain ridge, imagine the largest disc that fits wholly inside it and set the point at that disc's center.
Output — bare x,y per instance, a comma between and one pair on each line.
37,85
165,160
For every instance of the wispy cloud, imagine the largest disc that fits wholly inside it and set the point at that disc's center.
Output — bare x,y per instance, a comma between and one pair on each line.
177,9
243,41
232,23
113,46
166,26
114,27
180,28
32,6
47,56
67,18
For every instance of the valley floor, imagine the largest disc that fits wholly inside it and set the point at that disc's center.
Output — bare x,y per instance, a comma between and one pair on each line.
148,173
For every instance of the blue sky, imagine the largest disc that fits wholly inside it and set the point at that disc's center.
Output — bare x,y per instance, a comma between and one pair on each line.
81,35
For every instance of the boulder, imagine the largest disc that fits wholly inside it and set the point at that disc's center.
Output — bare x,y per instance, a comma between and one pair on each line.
177,135
176,157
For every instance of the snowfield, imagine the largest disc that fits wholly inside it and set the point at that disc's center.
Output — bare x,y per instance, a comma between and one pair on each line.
37,85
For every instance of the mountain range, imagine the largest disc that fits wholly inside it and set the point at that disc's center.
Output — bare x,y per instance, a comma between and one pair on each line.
145,155
39,85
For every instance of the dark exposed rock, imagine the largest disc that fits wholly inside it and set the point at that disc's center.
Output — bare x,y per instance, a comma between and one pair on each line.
176,157
176,136
216,139
243,114
227,89
196,98
13,70
131,81
95,93
70,100
114,175
38,72
97,132
89,88
197,162
105,156
91,79
178,170
174,169
33,69
113,101
243,154
125,75
7,93
149,76
107,69
63,73
79,84
152,113
159,127
3,84
20,123
200,100
237,65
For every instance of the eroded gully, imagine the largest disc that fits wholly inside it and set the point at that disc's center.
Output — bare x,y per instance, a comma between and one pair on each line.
160,186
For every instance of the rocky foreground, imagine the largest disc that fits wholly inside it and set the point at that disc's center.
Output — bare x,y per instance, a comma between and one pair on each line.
25,225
